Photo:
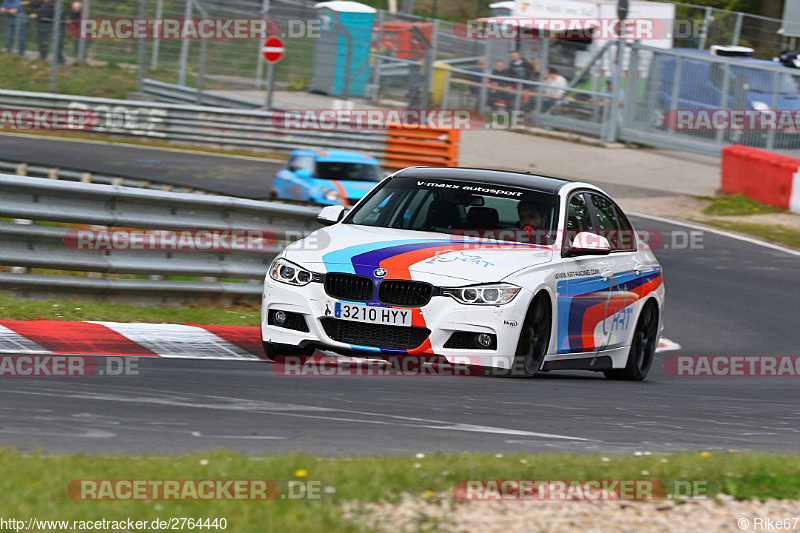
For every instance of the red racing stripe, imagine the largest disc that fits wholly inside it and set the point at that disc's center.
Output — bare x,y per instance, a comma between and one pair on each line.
247,338
593,315
425,347
397,266
82,338
596,314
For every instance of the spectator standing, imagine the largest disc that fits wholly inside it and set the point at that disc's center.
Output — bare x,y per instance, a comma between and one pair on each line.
609,90
495,94
478,69
556,88
76,14
45,16
519,68
14,13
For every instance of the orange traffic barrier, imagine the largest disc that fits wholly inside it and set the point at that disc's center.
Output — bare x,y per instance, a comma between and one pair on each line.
409,146
762,175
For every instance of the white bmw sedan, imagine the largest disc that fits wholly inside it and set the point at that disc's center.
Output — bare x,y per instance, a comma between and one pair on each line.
516,272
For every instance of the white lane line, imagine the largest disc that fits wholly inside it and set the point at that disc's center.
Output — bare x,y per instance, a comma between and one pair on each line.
666,345
502,431
12,342
718,231
251,437
176,340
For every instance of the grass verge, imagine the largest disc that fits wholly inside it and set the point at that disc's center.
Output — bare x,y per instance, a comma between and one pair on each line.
737,205
13,308
36,485
777,234
103,81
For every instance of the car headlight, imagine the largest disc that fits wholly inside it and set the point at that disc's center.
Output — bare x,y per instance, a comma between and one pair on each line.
490,294
331,195
287,272
760,106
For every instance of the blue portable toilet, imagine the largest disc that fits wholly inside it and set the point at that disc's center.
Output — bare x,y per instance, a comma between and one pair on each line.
331,49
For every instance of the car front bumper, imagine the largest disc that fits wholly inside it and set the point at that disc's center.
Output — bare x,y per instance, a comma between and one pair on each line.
443,316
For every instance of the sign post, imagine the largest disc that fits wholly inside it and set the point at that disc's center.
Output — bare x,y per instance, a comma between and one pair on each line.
273,51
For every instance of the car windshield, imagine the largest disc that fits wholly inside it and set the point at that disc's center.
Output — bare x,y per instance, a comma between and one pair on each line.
471,209
327,170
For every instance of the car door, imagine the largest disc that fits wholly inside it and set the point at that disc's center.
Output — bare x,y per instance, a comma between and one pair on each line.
622,263
301,177
583,286
281,181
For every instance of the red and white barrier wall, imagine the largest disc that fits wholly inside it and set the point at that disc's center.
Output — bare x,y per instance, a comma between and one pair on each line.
764,176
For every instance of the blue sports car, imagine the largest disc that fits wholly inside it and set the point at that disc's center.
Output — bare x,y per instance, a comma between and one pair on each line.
327,177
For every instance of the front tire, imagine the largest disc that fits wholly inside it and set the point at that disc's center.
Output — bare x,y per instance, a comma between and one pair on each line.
643,347
534,338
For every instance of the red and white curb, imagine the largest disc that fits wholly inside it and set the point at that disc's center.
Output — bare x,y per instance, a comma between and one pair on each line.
141,340
145,340
666,345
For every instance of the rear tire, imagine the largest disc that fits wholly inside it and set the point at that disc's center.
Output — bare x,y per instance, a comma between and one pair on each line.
276,352
534,338
643,347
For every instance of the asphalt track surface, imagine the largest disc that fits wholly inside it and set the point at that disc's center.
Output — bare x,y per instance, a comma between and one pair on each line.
244,177
728,298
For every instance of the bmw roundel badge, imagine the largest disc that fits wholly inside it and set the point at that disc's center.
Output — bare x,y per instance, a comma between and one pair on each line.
379,273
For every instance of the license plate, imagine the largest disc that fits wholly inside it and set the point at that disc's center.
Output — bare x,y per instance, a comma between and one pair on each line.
369,314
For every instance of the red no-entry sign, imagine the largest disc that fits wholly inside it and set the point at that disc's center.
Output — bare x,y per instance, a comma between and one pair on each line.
273,49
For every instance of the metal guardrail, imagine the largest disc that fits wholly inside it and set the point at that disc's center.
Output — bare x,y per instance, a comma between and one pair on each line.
211,126
38,246
179,94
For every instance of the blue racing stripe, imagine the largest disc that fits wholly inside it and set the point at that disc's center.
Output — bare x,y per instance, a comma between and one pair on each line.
341,260
365,348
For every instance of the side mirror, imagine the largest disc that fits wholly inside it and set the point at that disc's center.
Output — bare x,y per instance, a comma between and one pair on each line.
331,214
302,174
586,243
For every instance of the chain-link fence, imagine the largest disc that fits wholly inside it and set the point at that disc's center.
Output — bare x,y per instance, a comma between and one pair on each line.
700,102
701,27
399,60
233,64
